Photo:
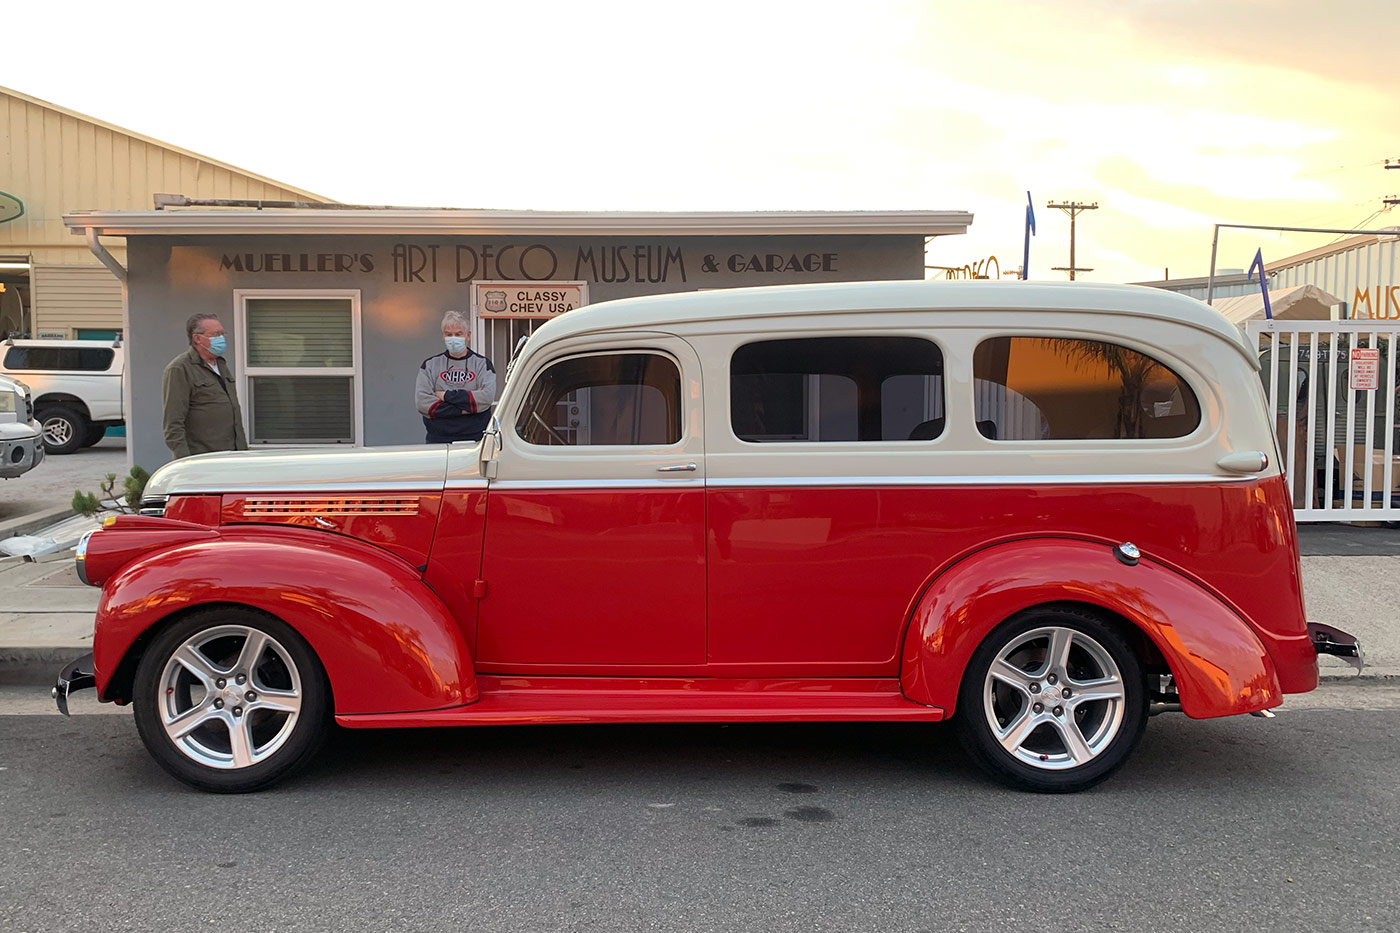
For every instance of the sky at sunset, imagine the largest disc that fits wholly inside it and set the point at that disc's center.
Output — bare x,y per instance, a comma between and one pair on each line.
1171,114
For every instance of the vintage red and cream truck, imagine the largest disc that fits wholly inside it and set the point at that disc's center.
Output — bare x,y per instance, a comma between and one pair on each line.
1041,511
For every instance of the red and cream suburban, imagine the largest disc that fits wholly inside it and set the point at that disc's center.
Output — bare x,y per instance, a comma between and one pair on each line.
1043,511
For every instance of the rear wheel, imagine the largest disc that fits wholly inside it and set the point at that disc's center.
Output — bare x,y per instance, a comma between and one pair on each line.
95,433
1053,701
64,430
231,700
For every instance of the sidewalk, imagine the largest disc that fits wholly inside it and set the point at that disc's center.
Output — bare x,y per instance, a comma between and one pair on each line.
46,614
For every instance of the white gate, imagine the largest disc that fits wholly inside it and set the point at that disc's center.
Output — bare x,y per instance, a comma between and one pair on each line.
1334,414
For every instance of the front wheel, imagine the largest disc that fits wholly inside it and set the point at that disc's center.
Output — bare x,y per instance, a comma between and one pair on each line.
1053,700
64,430
231,700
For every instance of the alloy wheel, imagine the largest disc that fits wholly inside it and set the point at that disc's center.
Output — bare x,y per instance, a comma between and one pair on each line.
1054,698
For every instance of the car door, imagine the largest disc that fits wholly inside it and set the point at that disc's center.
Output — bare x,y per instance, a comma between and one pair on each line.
594,549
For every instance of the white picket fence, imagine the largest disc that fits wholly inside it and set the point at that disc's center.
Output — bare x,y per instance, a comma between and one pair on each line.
1341,449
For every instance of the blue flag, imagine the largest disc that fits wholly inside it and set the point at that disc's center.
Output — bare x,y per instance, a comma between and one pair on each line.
1263,281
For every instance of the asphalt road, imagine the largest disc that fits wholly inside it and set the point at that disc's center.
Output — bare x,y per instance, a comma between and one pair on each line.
1243,823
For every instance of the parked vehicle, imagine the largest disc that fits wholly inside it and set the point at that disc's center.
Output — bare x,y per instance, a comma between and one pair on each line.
21,443
77,386
1044,511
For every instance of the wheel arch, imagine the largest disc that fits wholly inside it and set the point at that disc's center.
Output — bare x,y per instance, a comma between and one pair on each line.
63,400
383,638
1219,663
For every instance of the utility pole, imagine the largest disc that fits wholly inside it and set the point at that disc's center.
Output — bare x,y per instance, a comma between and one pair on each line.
1073,209
1392,200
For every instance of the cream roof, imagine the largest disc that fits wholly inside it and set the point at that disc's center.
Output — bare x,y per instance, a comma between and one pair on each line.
846,297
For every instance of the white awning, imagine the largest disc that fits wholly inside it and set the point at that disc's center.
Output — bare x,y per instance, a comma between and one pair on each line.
1299,303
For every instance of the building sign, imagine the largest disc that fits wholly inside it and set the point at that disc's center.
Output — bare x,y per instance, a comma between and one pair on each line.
1382,302
538,300
11,207
1365,368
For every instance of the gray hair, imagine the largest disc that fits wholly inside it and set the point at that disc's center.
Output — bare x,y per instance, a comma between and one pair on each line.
455,317
196,322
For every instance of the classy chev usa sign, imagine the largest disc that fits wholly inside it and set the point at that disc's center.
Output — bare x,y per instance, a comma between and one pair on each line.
498,299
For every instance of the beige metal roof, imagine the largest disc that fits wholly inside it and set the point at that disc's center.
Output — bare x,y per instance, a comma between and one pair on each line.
539,223
158,143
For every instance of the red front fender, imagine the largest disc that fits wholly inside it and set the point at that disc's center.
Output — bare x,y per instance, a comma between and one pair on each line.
1220,664
386,641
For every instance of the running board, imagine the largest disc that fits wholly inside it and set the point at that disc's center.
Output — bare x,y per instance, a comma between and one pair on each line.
542,700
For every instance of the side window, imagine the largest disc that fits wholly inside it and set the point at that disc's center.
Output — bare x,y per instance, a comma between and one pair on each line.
631,399
68,359
826,389
1056,388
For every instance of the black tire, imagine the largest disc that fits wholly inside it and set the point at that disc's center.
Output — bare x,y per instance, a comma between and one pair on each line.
273,742
64,430
95,433
1041,750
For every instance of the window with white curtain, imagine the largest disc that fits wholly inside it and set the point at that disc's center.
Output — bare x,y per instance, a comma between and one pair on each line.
299,355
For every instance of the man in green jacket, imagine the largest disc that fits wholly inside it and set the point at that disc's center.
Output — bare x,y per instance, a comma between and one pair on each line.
201,409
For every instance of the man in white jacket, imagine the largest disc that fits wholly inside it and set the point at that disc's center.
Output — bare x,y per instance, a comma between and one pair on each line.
455,389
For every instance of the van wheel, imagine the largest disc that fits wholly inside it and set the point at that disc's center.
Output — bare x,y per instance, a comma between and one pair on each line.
95,433
1052,701
64,430
231,700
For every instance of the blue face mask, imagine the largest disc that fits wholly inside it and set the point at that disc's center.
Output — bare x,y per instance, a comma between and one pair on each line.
456,345
217,345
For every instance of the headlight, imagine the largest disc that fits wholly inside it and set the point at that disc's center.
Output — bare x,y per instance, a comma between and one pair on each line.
81,555
12,401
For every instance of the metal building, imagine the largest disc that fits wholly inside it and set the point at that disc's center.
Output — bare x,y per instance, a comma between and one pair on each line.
53,160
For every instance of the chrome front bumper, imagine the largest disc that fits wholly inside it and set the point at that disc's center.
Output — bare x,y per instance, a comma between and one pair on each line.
78,675
1334,641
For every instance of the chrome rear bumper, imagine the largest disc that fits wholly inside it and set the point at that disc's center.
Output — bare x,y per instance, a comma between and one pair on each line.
1334,641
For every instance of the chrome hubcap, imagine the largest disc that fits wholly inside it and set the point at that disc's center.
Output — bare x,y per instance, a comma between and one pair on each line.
57,432
230,696
1054,698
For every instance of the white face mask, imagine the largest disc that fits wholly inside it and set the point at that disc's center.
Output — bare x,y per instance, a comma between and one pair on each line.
456,345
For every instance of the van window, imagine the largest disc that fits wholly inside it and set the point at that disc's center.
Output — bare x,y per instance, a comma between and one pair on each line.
606,399
826,389
69,359
1056,388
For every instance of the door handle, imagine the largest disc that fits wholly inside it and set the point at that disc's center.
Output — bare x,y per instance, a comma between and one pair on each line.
678,468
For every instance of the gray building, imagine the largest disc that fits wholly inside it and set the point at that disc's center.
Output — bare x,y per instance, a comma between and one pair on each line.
330,312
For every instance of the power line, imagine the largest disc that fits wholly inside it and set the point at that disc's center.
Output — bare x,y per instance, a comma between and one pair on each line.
1073,209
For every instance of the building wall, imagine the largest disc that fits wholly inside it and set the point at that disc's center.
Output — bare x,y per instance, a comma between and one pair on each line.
69,298
1365,277
406,283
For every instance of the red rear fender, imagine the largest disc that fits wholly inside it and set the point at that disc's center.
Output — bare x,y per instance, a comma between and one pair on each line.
385,639
1220,664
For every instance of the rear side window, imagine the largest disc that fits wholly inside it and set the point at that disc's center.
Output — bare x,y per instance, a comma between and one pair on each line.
610,399
69,359
828,389
1056,388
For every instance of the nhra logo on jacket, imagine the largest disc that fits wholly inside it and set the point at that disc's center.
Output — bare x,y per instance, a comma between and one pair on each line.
456,376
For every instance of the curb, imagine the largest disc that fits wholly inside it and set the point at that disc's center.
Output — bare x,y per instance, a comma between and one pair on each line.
34,521
38,665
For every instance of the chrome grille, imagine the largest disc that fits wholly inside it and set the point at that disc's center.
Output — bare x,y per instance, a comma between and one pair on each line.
330,505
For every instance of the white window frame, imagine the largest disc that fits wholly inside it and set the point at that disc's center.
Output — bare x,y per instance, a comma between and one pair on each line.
355,371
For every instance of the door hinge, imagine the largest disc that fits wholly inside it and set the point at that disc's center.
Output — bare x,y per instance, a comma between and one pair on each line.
489,469
479,590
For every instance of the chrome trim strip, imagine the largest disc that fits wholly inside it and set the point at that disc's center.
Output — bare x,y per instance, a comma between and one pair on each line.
292,490
687,483
466,484
1037,479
